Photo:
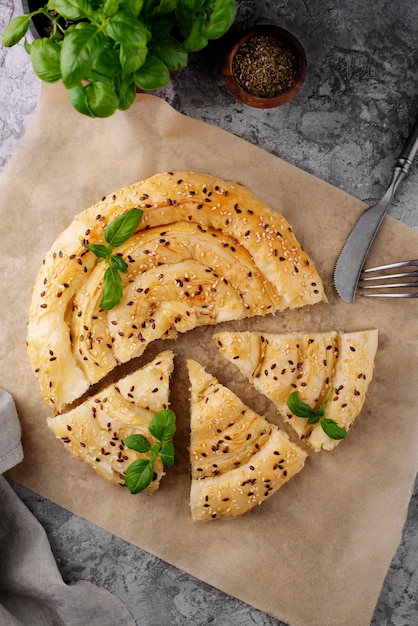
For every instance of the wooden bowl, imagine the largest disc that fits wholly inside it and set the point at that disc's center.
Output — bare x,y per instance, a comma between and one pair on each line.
289,72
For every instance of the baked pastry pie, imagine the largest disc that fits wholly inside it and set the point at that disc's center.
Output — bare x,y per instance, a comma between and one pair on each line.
204,252
95,430
238,459
332,369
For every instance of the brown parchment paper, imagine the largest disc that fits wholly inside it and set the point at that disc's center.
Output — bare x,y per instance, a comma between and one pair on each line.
316,553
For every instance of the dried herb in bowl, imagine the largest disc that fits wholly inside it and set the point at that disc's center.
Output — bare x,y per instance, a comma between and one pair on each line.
264,67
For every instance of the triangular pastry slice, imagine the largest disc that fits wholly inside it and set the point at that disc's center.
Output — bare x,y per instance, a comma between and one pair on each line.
95,430
205,251
238,459
330,366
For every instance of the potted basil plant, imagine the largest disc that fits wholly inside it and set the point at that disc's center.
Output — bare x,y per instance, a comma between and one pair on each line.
104,50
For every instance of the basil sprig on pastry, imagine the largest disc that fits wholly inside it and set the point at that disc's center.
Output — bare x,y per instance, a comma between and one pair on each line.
117,233
315,416
139,474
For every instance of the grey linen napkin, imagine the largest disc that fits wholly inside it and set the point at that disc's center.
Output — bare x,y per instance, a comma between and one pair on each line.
32,592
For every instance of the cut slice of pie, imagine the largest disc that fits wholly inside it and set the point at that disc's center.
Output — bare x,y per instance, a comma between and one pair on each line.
205,251
95,430
332,368
238,459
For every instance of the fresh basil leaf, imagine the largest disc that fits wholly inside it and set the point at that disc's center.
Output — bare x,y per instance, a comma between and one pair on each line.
221,16
132,58
117,262
195,40
98,103
139,475
167,453
101,99
131,7
163,425
116,233
314,418
98,249
78,99
15,30
127,30
45,57
107,64
123,227
155,448
112,289
80,50
299,408
110,7
170,52
125,90
152,75
331,428
162,26
71,10
138,443
185,17
193,5
163,7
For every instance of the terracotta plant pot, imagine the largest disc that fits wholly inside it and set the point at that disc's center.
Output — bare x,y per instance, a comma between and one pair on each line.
266,67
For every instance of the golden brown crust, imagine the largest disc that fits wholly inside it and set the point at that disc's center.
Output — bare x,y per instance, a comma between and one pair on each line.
206,250
314,365
353,374
238,459
95,430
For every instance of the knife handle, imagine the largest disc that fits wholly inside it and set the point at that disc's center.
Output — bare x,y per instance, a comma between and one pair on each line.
404,161
409,150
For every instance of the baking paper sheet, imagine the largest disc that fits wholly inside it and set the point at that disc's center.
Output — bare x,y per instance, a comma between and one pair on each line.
316,553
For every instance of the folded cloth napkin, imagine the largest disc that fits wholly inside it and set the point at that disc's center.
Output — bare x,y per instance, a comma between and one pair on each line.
32,592
11,452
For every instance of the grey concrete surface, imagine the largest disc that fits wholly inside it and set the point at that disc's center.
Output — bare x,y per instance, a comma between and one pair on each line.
346,126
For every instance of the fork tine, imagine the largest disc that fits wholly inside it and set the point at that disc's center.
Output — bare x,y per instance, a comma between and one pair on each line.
386,276
391,266
372,285
389,295
412,283
387,290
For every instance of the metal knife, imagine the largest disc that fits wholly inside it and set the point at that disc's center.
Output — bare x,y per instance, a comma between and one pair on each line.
351,259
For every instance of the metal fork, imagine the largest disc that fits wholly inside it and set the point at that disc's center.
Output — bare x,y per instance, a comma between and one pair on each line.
370,283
